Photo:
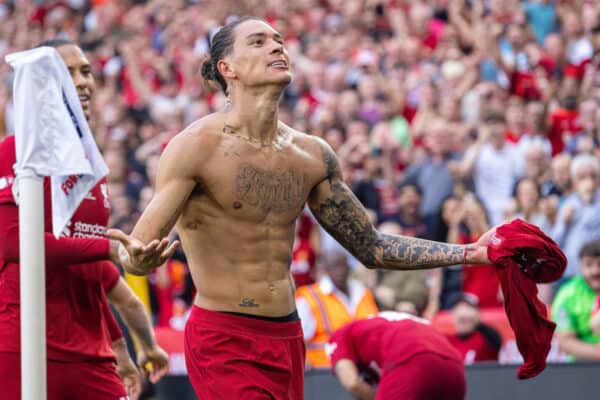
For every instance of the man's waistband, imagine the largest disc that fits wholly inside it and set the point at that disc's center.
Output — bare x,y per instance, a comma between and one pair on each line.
285,326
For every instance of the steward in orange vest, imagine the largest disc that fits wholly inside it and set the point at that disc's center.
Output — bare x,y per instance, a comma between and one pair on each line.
329,304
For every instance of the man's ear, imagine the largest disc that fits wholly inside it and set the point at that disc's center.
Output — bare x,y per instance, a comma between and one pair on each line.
226,69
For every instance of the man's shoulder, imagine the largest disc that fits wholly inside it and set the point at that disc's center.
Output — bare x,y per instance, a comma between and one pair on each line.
309,143
200,137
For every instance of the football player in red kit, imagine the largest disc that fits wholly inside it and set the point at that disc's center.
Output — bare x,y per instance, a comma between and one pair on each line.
402,354
83,340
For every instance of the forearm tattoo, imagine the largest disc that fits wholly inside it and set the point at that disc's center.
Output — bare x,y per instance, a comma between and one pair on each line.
342,215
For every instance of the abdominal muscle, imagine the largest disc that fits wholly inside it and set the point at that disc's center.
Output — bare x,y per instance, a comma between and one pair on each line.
237,268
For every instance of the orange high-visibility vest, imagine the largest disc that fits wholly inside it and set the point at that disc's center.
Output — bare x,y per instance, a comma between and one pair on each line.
330,314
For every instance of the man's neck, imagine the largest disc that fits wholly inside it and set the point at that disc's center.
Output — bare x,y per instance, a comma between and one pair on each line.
253,113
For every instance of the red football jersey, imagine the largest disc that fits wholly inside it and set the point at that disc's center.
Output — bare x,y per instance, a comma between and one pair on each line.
80,326
378,344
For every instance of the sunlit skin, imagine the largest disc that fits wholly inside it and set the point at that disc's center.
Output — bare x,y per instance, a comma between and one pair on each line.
234,182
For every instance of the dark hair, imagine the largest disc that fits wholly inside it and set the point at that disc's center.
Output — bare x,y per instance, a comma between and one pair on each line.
406,185
538,189
56,42
590,249
220,46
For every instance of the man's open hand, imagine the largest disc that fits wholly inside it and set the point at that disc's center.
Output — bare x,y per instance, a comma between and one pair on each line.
137,257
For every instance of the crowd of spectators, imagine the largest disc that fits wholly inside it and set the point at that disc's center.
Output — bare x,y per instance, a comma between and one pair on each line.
448,116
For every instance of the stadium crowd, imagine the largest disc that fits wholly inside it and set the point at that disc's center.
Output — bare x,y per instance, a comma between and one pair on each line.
449,117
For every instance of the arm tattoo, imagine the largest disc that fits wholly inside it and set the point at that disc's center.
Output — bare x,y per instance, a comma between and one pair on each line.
342,215
400,252
247,302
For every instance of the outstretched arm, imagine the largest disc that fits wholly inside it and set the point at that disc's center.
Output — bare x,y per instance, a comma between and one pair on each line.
144,249
341,214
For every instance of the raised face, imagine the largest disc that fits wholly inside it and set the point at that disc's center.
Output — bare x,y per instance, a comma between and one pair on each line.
81,72
259,57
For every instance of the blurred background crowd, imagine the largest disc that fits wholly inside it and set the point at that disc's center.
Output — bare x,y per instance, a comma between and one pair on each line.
449,117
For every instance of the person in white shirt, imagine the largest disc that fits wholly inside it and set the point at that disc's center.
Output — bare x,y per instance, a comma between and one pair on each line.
492,163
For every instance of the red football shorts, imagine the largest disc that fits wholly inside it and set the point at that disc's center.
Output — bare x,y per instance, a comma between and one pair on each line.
65,380
237,357
426,376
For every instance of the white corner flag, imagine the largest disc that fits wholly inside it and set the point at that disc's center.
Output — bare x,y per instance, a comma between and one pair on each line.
52,139
52,136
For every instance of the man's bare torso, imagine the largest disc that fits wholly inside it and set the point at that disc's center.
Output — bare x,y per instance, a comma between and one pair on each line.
237,226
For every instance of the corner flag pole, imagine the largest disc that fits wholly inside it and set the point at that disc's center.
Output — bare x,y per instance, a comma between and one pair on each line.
32,285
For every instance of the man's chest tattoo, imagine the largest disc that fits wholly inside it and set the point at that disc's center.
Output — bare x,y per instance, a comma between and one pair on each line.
279,190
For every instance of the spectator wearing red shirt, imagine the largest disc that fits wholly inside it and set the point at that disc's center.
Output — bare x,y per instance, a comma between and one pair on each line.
403,353
474,340
564,123
469,221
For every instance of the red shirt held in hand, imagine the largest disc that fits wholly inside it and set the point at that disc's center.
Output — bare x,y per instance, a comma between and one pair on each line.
523,256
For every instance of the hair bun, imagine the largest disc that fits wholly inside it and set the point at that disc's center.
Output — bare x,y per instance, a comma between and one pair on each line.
208,70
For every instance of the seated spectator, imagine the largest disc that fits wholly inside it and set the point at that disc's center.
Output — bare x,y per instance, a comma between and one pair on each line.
573,306
332,302
578,219
474,340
